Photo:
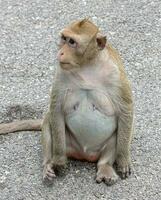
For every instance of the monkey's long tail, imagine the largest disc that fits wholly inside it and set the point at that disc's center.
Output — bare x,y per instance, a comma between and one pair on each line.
24,125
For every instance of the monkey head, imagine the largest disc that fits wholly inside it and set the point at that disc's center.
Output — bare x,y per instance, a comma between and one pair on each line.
80,43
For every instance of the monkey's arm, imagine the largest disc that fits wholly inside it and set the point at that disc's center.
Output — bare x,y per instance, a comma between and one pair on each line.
125,117
125,130
24,125
57,127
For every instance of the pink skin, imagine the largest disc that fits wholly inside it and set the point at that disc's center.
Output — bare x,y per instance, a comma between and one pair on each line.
60,56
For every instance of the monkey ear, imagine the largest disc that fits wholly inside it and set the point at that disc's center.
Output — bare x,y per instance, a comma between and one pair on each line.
101,41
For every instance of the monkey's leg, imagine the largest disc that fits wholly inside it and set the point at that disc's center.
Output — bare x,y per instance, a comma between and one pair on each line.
105,171
48,171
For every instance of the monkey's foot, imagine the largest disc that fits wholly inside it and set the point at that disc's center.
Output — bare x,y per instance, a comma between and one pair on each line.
48,172
107,174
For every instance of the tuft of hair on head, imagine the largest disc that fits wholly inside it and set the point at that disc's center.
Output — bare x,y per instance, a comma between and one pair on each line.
83,21
84,26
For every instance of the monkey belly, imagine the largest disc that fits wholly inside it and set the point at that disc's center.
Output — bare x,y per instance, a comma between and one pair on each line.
90,127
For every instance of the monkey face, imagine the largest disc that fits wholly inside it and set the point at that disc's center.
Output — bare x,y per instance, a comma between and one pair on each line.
67,54
80,43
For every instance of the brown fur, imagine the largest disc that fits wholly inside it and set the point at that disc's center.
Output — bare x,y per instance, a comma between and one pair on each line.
86,33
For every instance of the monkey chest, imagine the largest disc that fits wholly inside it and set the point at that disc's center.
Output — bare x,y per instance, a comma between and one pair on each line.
90,117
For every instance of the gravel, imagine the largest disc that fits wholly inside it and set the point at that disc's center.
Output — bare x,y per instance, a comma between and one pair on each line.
28,45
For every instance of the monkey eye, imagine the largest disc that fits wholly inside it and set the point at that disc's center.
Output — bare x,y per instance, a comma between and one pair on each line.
63,39
72,43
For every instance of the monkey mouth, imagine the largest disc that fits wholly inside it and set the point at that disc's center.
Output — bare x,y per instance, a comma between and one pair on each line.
64,63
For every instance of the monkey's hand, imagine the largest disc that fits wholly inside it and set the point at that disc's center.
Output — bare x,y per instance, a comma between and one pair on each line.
48,172
123,166
55,164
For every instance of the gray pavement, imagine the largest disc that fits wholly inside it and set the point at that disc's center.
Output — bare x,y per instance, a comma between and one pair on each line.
28,45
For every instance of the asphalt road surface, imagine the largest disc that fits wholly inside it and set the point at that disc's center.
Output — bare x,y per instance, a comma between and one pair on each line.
28,45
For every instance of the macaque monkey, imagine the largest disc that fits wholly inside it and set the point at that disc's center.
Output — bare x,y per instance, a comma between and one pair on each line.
90,115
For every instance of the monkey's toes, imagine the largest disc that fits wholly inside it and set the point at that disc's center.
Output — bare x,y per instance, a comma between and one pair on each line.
107,180
107,176
124,172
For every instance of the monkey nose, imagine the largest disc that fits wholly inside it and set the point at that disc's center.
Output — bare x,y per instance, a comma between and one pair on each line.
59,56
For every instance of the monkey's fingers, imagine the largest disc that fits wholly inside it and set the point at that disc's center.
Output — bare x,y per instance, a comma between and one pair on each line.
48,173
24,125
124,172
